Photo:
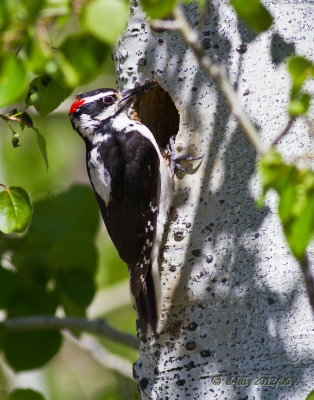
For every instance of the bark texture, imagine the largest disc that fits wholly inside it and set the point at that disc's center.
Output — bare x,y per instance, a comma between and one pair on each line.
237,322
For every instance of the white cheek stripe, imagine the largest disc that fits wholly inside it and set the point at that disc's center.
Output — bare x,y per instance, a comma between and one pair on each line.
97,96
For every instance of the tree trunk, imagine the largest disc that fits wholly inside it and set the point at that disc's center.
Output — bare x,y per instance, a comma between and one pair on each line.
237,321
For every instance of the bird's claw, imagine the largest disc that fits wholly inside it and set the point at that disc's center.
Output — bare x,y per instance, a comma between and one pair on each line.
174,160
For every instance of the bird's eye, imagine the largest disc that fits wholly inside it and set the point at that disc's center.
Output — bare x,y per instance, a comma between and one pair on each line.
108,100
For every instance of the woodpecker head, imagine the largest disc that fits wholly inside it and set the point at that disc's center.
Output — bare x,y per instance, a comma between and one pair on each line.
89,110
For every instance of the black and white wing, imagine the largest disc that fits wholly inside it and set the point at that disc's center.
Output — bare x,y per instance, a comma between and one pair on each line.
130,213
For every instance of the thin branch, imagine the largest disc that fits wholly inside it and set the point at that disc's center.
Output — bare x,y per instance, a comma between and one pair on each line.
28,122
310,124
284,132
103,356
217,73
96,326
8,118
308,278
166,25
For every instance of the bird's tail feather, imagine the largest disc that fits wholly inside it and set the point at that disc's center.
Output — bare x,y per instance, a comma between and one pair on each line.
147,307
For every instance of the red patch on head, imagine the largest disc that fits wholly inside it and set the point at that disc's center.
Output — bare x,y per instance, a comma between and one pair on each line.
77,103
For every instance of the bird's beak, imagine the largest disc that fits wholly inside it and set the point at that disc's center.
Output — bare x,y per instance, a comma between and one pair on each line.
130,95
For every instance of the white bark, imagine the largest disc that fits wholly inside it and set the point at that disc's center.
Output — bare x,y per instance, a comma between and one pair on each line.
234,301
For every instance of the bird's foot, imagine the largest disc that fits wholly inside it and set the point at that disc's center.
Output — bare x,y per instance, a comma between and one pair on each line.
174,160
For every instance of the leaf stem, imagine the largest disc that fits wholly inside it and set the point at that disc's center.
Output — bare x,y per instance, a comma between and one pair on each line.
308,278
284,132
7,118
40,140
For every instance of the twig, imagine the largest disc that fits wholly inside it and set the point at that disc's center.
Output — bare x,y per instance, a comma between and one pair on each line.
103,356
167,25
15,119
218,74
284,132
308,278
40,140
310,124
96,326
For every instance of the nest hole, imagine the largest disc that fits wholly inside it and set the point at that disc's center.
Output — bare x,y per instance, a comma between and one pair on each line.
158,112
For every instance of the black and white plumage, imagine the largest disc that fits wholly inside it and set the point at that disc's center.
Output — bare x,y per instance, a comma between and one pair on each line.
132,187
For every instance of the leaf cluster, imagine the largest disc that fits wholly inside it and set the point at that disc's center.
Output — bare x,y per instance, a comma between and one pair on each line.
295,188
300,69
37,38
51,266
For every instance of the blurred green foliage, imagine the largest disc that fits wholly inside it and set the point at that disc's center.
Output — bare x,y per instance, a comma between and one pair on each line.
48,48
300,69
159,8
25,394
253,13
61,259
295,188
99,19
59,247
310,396
63,46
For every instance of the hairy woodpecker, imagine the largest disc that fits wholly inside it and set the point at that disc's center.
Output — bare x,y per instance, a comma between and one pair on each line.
132,187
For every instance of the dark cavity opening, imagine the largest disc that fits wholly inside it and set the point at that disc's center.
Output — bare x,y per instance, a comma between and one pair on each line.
157,111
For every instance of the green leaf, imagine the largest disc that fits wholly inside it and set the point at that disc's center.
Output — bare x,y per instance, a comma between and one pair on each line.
2,337
75,250
25,394
9,284
253,13
33,7
71,212
3,14
105,19
60,237
32,299
299,69
158,8
15,139
15,210
13,79
45,94
310,396
300,229
42,147
81,58
37,56
77,285
29,350
26,118
70,308
201,3
299,104
296,199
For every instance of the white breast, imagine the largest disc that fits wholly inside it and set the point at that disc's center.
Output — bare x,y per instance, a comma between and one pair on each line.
99,176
